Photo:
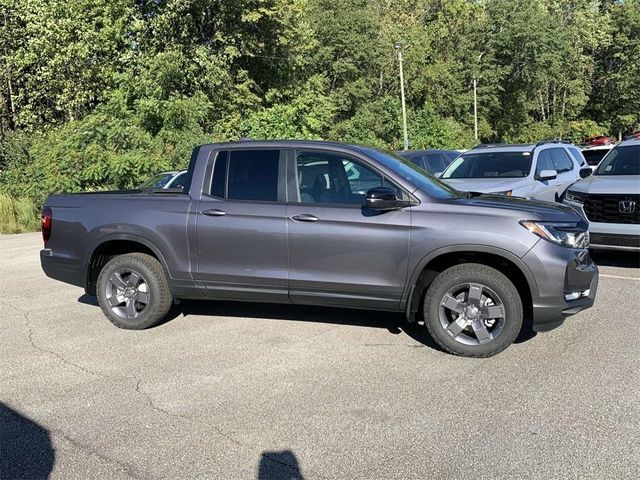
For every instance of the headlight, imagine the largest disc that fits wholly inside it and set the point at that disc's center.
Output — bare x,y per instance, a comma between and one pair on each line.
565,234
577,197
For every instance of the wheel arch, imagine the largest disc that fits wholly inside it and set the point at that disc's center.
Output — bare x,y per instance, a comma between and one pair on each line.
108,247
441,259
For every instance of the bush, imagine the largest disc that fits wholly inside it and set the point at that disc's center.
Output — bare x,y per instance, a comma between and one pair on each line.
18,215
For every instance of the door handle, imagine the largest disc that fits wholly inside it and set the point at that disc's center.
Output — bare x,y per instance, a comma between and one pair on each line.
305,217
214,212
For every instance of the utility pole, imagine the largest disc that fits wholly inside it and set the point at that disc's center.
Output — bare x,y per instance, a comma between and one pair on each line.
398,48
475,107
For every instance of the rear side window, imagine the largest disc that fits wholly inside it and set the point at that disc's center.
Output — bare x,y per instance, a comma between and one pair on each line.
561,160
246,175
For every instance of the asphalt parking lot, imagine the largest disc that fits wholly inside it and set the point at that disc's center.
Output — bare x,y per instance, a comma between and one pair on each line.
264,391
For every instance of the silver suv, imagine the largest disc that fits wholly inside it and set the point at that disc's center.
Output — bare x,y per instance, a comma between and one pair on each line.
610,199
540,172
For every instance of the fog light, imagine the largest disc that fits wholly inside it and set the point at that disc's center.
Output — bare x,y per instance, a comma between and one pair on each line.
576,295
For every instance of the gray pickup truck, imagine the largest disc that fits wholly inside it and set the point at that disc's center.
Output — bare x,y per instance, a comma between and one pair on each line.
325,224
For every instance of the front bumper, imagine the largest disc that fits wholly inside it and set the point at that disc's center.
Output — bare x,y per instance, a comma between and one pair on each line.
560,271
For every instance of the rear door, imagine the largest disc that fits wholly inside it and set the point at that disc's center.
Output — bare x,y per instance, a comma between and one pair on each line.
241,227
340,252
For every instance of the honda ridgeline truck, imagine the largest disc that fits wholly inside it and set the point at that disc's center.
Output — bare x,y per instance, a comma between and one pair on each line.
320,223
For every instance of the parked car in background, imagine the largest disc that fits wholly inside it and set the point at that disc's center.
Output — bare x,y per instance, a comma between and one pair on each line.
290,222
542,171
610,199
593,155
598,140
431,160
175,179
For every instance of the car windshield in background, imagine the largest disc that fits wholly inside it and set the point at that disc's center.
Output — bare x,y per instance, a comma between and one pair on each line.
414,174
593,157
158,181
490,165
621,161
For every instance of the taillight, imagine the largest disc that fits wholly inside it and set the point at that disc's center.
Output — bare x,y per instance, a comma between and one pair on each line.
46,220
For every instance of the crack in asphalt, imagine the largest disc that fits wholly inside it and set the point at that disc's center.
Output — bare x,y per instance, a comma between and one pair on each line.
130,470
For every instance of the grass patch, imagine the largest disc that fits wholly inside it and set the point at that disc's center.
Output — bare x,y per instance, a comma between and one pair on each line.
18,215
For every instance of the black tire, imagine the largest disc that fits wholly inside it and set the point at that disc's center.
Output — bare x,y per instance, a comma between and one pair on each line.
154,299
502,331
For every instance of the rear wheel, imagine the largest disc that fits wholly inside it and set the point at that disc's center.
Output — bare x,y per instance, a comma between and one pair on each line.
133,291
473,310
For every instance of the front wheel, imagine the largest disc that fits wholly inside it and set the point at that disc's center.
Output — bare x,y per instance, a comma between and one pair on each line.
473,310
133,291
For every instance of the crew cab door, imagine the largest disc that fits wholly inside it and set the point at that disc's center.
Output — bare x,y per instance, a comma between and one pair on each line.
340,252
241,227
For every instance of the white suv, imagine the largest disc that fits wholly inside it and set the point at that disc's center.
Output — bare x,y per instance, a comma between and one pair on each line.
542,171
610,199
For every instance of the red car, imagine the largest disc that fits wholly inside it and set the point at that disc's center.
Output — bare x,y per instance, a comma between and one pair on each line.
599,140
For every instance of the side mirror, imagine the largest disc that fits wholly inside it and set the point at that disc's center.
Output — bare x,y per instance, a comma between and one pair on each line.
383,198
585,172
547,175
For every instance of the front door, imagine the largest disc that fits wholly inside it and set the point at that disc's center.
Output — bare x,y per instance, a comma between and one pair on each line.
340,252
544,189
241,227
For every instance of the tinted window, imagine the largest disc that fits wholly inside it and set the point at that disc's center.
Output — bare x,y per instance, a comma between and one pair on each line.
561,160
218,181
246,175
332,178
435,162
179,181
621,161
418,160
490,165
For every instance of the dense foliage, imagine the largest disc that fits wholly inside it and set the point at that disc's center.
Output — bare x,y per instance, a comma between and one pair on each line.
102,93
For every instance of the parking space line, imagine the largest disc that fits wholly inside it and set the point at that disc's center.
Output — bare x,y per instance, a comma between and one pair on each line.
619,276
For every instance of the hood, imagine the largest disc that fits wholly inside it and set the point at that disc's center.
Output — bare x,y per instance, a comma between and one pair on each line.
611,184
485,185
525,209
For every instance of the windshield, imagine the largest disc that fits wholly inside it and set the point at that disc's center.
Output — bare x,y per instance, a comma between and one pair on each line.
158,181
490,165
621,161
414,174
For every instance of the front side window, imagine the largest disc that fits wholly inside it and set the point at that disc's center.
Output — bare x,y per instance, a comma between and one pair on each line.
545,162
334,179
490,165
246,175
621,161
